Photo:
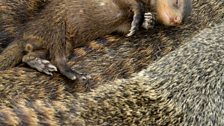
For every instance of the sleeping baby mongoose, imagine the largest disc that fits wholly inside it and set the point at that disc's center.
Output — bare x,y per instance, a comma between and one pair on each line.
66,24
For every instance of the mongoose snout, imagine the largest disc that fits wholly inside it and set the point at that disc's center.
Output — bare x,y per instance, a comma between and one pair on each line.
172,12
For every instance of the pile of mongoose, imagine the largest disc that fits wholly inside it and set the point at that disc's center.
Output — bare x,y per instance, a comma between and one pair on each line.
24,82
184,87
121,58
63,25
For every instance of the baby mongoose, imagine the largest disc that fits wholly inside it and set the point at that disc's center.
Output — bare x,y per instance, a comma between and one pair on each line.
14,14
65,24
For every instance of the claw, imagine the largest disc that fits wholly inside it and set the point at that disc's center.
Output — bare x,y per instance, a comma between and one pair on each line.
42,65
148,21
130,33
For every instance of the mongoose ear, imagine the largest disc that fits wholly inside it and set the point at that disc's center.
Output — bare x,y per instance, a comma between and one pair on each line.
187,8
29,47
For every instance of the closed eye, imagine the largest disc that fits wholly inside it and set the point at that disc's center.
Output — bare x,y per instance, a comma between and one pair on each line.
176,3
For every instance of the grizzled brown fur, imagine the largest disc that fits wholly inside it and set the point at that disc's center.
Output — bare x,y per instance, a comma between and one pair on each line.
63,25
170,91
66,24
120,103
14,14
126,56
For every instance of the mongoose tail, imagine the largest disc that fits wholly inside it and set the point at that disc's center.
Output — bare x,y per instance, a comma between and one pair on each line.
139,104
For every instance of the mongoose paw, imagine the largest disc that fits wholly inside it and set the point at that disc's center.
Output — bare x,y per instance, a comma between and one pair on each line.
132,32
73,74
134,28
42,65
134,25
149,21
82,76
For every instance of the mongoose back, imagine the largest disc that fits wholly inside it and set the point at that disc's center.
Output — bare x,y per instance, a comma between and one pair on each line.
23,82
118,104
122,58
63,25
184,87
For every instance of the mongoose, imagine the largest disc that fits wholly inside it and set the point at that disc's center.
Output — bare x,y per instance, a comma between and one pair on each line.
53,25
117,104
184,87
13,15
125,56
23,82
135,6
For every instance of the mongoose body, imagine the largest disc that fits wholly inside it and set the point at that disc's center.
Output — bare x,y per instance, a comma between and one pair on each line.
203,97
14,14
64,25
118,104
170,91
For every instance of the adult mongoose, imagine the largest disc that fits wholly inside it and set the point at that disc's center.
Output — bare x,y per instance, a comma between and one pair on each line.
23,82
75,28
119,104
184,87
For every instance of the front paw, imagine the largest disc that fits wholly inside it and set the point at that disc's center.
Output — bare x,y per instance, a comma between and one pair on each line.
132,31
81,76
149,21
42,65
73,74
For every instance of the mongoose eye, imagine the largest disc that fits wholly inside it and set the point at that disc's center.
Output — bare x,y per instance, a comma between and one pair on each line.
176,3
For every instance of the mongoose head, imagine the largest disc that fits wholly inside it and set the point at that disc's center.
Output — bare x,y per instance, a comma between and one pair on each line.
171,12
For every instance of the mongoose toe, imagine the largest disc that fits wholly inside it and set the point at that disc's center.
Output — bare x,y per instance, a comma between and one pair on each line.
149,21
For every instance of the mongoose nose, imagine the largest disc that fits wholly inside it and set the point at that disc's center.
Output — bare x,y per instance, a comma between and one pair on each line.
176,20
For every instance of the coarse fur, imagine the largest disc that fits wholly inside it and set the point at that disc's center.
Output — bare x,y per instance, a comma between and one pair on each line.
170,91
58,30
121,103
14,14
124,56
201,97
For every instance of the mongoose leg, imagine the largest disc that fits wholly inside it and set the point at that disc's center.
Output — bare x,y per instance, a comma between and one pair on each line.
138,9
67,71
59,54
37,61
149,21
34,60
